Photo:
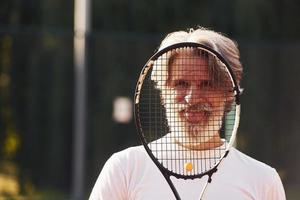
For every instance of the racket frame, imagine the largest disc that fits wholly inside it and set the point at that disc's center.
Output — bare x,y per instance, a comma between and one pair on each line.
165,172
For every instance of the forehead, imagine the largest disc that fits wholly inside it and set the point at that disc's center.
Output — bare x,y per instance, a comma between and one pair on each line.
187,64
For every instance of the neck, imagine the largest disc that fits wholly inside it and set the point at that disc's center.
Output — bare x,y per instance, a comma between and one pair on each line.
214,142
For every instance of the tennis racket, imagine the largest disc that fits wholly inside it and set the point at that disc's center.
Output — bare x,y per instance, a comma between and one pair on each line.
187,107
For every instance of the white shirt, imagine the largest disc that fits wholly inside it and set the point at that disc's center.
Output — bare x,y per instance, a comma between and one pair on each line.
132,175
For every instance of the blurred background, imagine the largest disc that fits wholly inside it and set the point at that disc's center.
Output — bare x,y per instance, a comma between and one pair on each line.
38,138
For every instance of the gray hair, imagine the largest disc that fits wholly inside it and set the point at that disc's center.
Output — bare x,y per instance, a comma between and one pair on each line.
226,47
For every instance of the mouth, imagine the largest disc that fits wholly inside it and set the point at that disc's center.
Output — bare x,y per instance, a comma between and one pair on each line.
197,113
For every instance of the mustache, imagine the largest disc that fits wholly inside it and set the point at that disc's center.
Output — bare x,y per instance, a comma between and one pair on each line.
196,107
199,107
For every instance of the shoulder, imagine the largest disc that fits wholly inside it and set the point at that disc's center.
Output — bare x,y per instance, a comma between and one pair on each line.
264,177
251,166
128,154
247,161
113,179
129,159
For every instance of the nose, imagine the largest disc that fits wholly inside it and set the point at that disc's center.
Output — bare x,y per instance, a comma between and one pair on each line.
193,95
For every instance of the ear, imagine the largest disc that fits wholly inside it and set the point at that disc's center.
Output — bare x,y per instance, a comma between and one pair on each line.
228,103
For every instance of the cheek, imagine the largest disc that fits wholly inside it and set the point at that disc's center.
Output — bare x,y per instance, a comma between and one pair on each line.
179,97
175,95
172,97
217,100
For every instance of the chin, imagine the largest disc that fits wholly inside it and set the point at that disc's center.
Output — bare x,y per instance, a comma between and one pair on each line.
190,134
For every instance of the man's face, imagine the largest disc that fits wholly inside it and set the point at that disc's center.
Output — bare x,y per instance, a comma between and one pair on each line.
194,102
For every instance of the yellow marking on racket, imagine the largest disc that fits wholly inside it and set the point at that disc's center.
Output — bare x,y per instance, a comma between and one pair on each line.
188,166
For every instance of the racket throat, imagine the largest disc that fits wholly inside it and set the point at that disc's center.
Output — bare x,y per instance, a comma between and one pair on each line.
168,179
207,182
210,175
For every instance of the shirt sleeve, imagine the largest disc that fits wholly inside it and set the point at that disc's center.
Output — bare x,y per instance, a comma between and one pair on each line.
275,190
111,182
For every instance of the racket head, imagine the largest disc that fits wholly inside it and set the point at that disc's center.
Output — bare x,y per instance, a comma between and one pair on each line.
186,97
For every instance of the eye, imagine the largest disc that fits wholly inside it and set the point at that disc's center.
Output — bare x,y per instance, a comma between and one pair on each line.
206,84
181,84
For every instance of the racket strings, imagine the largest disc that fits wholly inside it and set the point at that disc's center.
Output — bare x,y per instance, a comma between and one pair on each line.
186,106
